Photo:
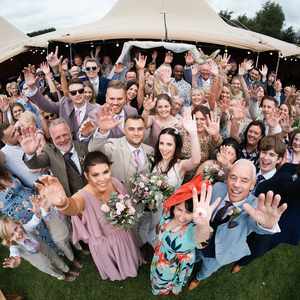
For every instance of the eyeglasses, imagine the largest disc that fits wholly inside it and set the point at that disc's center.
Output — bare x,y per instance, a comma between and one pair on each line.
91,69
49,117
74,93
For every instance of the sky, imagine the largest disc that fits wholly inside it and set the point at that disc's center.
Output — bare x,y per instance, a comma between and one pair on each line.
32,15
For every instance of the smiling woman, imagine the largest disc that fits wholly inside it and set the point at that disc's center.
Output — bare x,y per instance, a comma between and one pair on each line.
114,250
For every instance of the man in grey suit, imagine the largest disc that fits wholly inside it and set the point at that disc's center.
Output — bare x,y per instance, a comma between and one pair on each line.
238,214
114,109
128,155
73,108
64,157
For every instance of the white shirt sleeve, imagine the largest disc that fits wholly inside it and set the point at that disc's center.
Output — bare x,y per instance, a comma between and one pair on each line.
14,251
99,135
275,228
32,224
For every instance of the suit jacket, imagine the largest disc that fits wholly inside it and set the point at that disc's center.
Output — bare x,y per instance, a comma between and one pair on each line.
51,157
231,243
65,109
117,150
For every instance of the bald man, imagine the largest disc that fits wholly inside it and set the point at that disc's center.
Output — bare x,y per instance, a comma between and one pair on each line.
238,214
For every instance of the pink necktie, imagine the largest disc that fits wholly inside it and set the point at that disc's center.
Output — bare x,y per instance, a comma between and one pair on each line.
77,115
136,155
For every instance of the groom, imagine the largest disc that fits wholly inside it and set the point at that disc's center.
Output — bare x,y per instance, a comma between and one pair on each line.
238,214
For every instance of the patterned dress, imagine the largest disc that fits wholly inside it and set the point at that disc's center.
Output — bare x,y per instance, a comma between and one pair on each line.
15,203
173,259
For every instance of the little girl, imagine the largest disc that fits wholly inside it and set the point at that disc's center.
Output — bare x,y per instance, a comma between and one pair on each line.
23,243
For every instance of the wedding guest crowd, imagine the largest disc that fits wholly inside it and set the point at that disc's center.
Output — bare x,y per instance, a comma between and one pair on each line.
186,167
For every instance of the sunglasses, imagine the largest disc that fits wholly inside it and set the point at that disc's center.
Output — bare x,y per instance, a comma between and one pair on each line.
91,68
74,93
49,117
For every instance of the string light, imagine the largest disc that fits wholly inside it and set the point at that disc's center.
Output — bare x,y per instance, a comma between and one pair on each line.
67,46
271,53
117,45
249,52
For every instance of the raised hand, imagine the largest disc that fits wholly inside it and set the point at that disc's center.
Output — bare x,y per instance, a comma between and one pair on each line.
149,102
154,55
263,71
140,62
285,124
87,128
189,59
214,70
189,122
28,141
51,191
224,156
29,76
248,64
224,61
52,58
105,119
268,211
195,69
36,205
213,124
4,103
11,262
238,111
202,210
45,68
273,119
168,57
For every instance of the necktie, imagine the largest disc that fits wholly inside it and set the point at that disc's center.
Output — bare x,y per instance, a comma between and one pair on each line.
218,219
259,179
69,162
77,116
210,250
137,159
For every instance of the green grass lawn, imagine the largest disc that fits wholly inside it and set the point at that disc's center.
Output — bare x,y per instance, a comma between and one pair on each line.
274,276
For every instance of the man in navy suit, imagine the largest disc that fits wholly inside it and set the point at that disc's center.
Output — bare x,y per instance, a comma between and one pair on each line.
238,214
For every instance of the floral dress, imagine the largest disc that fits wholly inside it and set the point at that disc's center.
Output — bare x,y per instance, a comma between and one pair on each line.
173,259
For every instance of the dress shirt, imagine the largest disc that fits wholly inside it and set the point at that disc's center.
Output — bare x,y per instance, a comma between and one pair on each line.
267,175
239,205
95,83
74,158
141,153
82,110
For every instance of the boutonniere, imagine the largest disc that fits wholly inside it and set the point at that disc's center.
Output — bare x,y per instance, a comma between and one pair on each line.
234,213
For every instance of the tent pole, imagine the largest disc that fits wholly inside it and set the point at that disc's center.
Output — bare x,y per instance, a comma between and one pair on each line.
165,24
71,58
277,65
257,58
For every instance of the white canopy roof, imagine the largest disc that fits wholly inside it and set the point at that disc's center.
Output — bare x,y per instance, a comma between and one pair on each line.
192,20
12,40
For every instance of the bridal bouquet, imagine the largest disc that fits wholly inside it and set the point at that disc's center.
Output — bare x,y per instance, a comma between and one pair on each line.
121,211
150,190
213,173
